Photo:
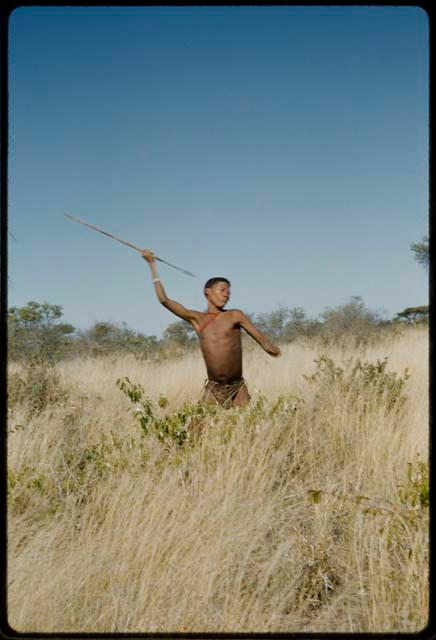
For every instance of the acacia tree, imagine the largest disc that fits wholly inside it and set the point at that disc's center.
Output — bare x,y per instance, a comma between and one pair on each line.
421,251
413,314
35,331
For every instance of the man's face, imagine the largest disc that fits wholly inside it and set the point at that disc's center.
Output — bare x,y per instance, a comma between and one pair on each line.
218,294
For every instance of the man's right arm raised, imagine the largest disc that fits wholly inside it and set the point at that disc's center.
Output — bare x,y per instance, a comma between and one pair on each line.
176,308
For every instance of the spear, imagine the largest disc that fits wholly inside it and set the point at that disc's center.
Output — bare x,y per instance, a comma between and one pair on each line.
129,244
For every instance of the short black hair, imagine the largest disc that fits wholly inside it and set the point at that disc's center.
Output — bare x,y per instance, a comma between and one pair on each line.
213,281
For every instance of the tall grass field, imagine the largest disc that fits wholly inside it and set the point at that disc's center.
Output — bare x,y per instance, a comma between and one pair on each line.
132,508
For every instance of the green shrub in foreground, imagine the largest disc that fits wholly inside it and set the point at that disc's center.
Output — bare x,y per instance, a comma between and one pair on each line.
175,426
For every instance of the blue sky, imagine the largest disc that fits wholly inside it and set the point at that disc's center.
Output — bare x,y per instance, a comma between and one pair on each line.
285,148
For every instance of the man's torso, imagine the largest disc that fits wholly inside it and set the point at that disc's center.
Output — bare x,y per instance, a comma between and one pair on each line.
220,342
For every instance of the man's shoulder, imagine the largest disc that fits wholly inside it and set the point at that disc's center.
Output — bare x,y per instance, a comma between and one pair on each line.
198,314
236,313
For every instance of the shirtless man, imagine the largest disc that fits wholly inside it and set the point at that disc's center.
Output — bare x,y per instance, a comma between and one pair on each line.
220,338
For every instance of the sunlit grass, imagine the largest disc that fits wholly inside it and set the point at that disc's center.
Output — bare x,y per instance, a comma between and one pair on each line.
307,511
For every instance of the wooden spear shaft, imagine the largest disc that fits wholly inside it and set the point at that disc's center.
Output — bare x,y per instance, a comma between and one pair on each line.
129,244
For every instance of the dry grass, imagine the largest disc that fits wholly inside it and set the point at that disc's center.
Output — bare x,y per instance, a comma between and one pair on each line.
258,526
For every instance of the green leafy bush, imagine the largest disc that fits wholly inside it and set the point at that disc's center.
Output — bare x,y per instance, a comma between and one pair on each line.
178,426
261,409
369,382
416,491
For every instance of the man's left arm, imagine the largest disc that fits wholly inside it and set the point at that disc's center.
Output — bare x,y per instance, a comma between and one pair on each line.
257,335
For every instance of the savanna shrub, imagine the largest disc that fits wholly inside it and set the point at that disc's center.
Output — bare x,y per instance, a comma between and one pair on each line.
416,491
36,387
350,323
370,383
177,426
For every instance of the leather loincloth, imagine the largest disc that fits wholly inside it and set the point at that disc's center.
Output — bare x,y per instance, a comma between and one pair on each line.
224,394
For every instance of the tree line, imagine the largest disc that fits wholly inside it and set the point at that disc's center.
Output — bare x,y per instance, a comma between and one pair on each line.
37,330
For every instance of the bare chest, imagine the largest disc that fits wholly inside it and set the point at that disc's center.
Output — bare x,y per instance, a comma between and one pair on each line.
218,327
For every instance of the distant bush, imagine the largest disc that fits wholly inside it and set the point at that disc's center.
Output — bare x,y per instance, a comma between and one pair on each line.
34,331
36,387
287,324
106,338
179,334
351,321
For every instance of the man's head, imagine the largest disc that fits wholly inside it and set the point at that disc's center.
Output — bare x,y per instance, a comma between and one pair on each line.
217,291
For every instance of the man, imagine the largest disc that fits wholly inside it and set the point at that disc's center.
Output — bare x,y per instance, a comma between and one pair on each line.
220,338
